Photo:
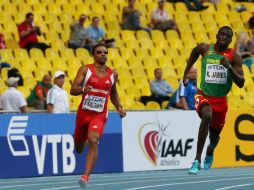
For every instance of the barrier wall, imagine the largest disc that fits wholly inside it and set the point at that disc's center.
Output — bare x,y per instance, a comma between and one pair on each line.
236,147
42,145
159,140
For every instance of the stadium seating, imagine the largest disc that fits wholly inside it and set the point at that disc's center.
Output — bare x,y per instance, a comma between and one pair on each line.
136,55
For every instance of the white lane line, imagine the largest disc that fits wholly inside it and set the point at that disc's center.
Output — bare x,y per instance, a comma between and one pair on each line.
55,188
142,173
138,180
33,184
109,177
143,181
231,187
185,183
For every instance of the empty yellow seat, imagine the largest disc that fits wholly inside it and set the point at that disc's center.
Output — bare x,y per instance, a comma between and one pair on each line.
51,53
29,65
152,105
141,35
6,54
131,44
140,82
20,54
175,43
66,53
57,44
12,44
39,9
156,53
180,7
59,64
137,106
82,53
171,34
142,53
150,62
45,65
118,62
68,8
194,16
54,8
97,8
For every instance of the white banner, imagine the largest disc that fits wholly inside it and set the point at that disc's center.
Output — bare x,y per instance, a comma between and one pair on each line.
160,140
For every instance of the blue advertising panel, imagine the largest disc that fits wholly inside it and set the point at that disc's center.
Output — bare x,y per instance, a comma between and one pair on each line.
43,145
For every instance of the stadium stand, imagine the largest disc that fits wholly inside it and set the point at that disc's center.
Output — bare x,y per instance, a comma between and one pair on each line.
135,55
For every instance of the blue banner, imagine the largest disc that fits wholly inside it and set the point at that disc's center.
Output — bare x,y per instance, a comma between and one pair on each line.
43,145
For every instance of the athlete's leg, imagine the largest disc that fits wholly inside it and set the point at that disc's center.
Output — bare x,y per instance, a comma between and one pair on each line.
214,135
80,137
205,112
95,130
214,140
93,139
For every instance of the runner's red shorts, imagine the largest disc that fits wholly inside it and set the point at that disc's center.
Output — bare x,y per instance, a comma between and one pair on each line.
87,121
219,108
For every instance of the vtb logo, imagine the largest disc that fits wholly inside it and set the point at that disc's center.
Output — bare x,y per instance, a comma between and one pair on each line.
16,130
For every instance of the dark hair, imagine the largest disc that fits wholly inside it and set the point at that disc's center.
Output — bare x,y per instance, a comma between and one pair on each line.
29,14
226,28
95,17
95,46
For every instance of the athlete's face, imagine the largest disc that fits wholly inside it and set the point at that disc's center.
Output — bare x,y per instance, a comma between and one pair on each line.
224,37
101,55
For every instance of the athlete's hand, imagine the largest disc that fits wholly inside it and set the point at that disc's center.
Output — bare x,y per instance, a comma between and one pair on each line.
121,111
87,89
225,62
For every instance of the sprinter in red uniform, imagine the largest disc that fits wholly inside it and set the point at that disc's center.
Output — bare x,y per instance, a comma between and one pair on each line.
95,82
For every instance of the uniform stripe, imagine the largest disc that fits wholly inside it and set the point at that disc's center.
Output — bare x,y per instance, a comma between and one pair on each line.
88,75
112,78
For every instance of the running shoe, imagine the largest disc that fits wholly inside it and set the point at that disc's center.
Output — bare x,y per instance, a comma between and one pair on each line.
195,167
208,162
83,181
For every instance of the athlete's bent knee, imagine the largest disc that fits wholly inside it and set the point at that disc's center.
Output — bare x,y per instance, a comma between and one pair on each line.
207,117
93,142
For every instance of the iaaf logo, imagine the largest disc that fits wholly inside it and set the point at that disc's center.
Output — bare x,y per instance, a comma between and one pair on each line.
159,147
16,134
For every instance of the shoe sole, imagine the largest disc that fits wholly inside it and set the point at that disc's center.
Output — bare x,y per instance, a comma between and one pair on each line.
192,173
82,184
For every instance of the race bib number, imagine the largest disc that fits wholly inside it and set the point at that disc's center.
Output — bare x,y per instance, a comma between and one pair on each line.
216,73
94,103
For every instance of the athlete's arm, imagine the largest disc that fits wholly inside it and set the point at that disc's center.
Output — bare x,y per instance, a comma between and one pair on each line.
114,97
200,49
76,88
236,68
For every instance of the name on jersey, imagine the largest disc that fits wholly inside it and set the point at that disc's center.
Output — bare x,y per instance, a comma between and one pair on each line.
99,91
94,103
216,74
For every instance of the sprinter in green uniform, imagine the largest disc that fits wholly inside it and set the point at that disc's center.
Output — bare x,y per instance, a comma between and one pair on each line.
221,66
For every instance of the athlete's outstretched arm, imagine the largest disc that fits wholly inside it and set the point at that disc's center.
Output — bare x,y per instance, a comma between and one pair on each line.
76,88
236,68
200,49
114,97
